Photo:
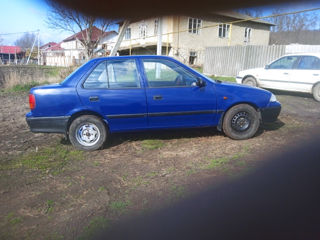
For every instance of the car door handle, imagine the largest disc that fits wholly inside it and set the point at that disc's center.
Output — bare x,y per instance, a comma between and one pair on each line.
315,74
285,73
94,98
157,97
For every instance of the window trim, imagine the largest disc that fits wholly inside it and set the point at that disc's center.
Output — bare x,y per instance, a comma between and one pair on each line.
163,60
227,30
141,27
125,34
105,62
247,38
198,29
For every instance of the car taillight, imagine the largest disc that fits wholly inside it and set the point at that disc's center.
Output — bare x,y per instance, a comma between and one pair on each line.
32,101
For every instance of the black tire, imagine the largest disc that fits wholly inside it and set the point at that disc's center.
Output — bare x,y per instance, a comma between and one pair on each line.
241,122
250,81
316,92
87,133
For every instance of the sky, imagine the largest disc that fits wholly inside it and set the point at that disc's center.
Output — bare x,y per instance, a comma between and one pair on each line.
30,15
26,15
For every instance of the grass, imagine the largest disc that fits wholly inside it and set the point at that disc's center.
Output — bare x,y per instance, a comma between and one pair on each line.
222,163
177,192
49,208
12,219
51,159
221,78
224,79
23,87
152,144
119,206
95,226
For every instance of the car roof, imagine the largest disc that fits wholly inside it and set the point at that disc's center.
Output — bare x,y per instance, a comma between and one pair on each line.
135,56
304,54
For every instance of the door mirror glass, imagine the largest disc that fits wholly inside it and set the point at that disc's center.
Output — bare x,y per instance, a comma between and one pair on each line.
200,82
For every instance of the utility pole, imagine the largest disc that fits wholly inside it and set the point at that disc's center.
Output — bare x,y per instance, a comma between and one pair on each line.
38,46
120,38
159,43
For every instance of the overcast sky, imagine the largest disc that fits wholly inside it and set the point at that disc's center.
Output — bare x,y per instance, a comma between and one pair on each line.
30,15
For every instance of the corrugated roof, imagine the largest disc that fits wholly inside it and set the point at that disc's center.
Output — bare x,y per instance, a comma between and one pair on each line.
96,34
55,47
240,16
10,49
47,45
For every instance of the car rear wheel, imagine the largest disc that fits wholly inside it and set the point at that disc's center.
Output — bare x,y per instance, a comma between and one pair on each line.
316,92
250,81
241,122
87,133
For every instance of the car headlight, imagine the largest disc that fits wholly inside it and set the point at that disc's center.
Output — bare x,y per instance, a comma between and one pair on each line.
273,98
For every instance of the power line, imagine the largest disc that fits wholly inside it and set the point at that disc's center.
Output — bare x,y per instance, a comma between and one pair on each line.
19,32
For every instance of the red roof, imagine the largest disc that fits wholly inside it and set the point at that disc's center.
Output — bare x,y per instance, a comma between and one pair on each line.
10,49
55,47
96,35
48,45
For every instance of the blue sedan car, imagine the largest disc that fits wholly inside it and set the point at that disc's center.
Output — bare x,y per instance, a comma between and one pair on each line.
133,93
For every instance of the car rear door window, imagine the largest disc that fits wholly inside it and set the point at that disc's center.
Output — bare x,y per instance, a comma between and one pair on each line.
162,73
309,63
114,74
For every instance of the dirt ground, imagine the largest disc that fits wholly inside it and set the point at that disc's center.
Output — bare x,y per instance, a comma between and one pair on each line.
49,190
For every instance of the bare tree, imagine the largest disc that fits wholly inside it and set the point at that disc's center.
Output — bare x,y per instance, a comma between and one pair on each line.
293,22
252,12
91,29
292,28
26,40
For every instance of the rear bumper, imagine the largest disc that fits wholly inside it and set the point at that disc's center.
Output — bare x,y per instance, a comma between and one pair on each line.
270,114
48,124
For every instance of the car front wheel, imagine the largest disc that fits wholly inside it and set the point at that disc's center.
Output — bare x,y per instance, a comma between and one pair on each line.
241,122
250,81
316,92
87,133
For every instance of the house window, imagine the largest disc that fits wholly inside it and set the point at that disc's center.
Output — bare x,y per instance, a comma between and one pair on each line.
143,31
194,25
156,26
127,34
247,34
224,30
192,57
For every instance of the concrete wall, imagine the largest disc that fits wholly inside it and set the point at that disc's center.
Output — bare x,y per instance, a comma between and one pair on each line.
13,75
185,42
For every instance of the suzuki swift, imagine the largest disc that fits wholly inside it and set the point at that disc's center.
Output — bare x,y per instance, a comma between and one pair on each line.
134,93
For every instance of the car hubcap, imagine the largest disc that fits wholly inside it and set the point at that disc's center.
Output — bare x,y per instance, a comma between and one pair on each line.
241,121
249,83
88,135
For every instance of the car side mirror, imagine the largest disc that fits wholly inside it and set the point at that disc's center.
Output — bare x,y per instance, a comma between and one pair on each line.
266,67
200,82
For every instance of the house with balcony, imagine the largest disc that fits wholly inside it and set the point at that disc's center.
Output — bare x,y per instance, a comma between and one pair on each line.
186,37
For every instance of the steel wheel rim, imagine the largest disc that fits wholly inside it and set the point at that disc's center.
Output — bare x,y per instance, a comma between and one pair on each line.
249,83
88,134
241,121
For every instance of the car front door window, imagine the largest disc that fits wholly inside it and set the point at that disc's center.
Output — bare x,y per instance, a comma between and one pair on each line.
162,73
284,63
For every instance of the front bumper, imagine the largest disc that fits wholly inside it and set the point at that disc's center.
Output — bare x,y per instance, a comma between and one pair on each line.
47,124
238,79
271,113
